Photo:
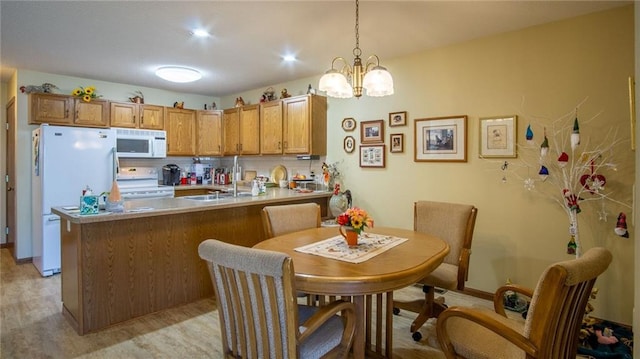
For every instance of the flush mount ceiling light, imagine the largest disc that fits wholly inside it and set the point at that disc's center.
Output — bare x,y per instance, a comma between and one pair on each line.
178,74
375,79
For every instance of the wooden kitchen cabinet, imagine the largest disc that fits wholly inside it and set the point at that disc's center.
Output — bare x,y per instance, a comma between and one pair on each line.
93,113
305,125
271,128
209,133
180,125
51,108
241,130
133,115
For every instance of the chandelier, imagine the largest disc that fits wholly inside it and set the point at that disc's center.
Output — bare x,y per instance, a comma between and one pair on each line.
369,76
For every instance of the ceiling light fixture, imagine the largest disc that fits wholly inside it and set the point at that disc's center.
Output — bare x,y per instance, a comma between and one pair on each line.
200,33
370,76
178,74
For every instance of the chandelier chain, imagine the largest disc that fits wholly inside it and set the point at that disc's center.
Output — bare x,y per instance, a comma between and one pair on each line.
356,51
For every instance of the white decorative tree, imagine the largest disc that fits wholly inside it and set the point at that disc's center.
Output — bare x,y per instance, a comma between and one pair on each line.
569,163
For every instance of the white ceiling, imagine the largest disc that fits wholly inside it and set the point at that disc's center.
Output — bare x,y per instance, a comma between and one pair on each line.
125,41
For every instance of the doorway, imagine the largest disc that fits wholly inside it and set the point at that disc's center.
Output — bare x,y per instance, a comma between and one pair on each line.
10,183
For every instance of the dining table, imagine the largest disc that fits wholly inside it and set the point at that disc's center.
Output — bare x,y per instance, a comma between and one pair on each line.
385,259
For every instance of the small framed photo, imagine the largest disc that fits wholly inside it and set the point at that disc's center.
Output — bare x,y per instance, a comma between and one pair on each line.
348,124
397,143
372,156
349,144
372,131
440,139
398,118
498,136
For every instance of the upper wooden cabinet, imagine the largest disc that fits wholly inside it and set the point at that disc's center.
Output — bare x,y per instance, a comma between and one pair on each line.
271,128
241,130
305,125
67,110
209,133
181,131
133,115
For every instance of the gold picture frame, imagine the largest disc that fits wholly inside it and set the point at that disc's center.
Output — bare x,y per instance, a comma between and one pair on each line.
372,131
498,137
396,143
440,139
372,156
398,118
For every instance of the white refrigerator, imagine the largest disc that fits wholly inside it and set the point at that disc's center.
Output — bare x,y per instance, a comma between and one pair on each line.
65,160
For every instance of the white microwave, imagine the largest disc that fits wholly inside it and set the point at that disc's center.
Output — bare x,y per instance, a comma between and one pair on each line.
139,143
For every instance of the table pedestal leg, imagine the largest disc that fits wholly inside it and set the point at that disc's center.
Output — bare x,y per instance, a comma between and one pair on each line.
358,340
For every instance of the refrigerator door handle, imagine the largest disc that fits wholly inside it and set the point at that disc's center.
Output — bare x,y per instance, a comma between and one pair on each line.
54,219
116,163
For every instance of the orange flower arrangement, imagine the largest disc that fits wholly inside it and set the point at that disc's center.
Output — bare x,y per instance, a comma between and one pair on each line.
356,218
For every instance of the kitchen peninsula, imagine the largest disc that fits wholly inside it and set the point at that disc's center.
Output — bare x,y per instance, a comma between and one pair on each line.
118,266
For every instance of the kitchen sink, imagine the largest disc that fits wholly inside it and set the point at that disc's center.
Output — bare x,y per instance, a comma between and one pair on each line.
213,197
206,198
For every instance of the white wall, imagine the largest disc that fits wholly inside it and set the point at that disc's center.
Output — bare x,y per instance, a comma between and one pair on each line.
3,163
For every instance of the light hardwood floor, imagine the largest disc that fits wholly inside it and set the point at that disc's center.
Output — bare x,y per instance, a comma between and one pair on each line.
32,325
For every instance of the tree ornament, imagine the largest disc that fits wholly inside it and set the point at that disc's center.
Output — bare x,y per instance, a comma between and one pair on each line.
543,173
529,135
575,134
544,147
571,246
563,159
621,226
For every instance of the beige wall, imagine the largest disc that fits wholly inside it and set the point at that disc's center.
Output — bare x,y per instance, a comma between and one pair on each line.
636,315
538,74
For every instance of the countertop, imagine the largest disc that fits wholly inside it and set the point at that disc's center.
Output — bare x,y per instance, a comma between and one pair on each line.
140,208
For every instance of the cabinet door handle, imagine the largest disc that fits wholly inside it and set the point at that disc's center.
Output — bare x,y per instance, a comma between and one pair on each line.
134,118
279,145
142,119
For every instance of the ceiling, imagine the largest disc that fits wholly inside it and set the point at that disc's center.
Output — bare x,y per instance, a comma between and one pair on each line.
125,41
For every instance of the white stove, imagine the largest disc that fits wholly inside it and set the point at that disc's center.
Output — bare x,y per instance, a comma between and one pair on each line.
141,182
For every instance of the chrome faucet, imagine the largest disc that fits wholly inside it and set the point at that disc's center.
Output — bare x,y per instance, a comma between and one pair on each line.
235,176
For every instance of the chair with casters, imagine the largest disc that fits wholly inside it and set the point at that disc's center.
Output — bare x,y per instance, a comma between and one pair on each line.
259,314
283,219
454,223
551,328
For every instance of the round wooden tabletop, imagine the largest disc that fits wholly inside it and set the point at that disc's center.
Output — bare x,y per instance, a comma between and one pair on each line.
393,269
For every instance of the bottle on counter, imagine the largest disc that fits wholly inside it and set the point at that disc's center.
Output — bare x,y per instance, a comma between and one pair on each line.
255,190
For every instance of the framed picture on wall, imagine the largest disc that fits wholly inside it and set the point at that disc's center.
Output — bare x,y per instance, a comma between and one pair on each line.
398,118
396,141
349,144
372,156
372,131
498,136
348,124
440,139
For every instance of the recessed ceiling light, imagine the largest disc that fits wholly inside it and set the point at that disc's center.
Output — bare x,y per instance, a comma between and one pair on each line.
200,33
289,58
178,74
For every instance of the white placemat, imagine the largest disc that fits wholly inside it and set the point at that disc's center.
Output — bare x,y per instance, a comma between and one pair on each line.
369,246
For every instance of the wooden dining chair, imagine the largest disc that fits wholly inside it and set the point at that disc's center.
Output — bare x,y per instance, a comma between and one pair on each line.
454,223
259,314
553,321
283,219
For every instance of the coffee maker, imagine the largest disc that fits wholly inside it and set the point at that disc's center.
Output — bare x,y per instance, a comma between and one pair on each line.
171,175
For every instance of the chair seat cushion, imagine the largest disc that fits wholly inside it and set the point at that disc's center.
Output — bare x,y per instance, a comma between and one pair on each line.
473,341
324,339
445,276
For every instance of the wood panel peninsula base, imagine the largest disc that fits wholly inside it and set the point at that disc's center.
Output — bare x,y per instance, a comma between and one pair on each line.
116,267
